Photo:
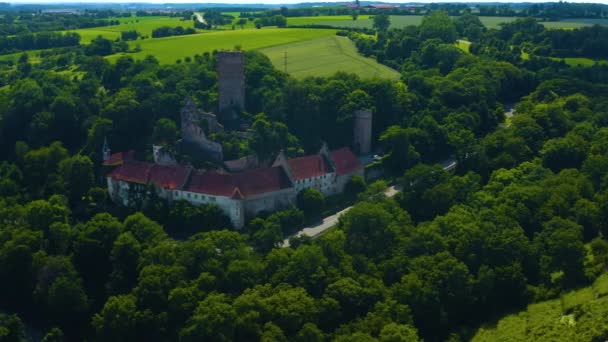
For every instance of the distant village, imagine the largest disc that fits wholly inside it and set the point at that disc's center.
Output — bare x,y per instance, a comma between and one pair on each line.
241,188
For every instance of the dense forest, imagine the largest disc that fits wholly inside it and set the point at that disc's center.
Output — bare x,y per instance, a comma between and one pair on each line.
522,219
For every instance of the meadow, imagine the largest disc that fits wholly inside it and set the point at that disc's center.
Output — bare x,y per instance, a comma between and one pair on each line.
143,25
576,316
321,20
324,56
170,49
400,21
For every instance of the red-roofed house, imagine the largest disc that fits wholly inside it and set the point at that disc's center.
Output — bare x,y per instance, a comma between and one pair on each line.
127,182
168,177
314,171
240,195
347,165
119,158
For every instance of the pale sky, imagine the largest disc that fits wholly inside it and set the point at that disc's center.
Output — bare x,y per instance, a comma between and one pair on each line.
265,1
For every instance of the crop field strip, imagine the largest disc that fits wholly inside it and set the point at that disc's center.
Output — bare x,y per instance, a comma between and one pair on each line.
324,56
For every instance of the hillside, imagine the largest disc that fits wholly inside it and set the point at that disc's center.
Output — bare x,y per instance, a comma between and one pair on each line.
576,316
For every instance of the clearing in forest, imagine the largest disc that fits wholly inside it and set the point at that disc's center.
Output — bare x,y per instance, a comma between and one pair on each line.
324,57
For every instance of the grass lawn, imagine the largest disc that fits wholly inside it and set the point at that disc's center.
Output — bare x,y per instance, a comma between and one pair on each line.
324,57
169,49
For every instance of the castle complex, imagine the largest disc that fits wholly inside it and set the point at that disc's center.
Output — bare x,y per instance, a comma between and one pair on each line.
241,188
240,195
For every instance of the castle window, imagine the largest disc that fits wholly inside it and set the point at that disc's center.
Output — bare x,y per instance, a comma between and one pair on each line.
212,199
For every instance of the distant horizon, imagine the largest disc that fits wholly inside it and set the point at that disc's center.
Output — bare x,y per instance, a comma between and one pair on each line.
269,2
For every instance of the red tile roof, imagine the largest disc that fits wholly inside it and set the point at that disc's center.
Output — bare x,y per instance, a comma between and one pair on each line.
119,158
308,166
240,185
133,171
346,161
168,176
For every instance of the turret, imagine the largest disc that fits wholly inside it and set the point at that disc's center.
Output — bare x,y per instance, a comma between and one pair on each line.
105,150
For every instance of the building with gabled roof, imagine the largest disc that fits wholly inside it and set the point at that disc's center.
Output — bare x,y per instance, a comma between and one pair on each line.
240,195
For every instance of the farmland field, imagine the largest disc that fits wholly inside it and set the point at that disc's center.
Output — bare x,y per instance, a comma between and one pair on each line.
143,25
168,50
324,56
399,21
575,23
321,20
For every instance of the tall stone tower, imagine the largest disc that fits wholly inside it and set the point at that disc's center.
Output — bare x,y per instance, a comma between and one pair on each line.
362,143
231,79
105,150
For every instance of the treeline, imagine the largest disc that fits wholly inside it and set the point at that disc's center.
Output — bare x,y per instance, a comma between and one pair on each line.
276,20
565,10
15,24
35,41
186,15
528,36
166,31
213,18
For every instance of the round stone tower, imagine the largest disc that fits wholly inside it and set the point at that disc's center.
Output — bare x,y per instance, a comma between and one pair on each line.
362,143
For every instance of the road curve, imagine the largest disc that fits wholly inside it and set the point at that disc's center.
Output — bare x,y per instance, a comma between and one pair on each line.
328,222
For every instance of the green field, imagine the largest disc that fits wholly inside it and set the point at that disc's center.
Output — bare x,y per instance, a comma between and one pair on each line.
580,61
400,21
143,25
321,20
576,316
324,56
574,23
169,49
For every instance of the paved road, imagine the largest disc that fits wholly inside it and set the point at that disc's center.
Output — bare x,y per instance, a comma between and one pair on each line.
330,221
